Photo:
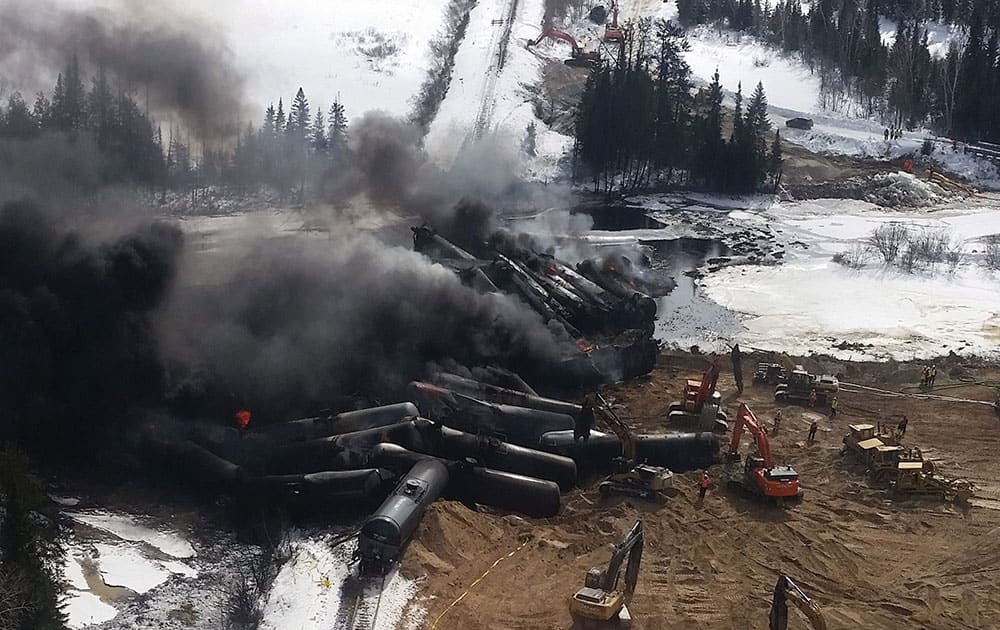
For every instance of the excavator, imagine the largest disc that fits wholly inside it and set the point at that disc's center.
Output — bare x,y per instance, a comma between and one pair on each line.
701,402
602,602
612,32
788,591
578,58
629,479
760,475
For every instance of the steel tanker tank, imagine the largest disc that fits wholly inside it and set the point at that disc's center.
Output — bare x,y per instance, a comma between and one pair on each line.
385,533
677,451
474,483
347,422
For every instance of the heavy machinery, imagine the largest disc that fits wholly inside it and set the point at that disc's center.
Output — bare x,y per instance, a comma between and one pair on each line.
788,591
601,601
612,32
919,479
798,384
877,448
579,58
629,478
760,475
702,402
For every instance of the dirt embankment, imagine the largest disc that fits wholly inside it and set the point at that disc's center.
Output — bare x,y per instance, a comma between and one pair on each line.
868,561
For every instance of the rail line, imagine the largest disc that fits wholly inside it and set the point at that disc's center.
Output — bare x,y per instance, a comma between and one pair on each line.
367,604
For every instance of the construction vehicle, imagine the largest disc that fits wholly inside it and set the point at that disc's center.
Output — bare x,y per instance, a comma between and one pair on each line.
702,402
799,384
918,479
602,602
768,374
612,32
760,475
788,591
578,57
886,459
864,439
630,478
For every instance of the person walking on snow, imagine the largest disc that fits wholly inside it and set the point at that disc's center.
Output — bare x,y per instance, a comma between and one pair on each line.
886,134
703,484
833,408
812,431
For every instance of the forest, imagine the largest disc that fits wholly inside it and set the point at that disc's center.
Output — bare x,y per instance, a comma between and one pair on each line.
639,124
900,83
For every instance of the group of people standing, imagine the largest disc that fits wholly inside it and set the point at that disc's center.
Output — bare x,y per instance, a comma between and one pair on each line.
928,376
892,134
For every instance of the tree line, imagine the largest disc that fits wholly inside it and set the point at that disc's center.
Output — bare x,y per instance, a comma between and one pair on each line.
639,124
282,151
901,84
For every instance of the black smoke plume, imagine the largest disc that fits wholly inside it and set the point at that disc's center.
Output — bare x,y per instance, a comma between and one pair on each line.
302,320
184,67
78,353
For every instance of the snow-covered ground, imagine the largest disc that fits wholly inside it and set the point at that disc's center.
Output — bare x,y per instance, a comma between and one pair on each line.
809,303
309,591
488,101
370,54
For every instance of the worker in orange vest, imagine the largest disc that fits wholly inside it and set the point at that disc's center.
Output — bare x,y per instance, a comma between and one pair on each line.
703,484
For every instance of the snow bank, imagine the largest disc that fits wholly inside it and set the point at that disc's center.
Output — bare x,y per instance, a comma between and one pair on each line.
128,568
903,190
127,528
86,609
939,36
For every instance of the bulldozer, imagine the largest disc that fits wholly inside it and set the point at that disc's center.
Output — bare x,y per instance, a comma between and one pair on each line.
799,384
701,404
602,602
785,590
630,478
877,448
919,479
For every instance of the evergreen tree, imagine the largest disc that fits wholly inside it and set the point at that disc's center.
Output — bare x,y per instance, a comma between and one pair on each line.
299,117
337,135
31,552
528,143
17,121
279,119
319,141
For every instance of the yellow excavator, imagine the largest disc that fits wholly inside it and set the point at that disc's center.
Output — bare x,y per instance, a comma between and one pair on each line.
629,478
786,591
603,601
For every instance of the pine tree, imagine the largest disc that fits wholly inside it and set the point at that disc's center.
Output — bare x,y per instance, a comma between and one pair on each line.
319,141
267,129
279,119
528,143
42,110
337,136
17,121
298,117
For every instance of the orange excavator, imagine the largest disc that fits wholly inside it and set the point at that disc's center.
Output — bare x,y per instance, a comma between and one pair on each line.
612,32
701,404
760,475
578,58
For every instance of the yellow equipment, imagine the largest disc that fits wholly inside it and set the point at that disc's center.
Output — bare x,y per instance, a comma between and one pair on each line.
602,599
630,478
788,591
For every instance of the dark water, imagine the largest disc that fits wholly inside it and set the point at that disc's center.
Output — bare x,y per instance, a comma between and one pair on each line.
619,218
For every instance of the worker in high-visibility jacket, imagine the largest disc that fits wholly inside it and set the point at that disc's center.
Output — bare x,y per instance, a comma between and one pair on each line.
703,484
833,408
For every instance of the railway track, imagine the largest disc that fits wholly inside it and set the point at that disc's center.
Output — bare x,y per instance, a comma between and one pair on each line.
367,603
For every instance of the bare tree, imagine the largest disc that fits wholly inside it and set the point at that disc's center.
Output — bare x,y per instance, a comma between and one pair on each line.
991,254
888,240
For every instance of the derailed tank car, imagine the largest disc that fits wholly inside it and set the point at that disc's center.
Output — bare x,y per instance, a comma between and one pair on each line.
386,532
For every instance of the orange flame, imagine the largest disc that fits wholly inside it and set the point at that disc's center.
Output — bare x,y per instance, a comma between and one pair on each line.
584,346
242,418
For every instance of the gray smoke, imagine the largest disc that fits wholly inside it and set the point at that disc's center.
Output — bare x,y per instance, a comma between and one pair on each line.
389,165
185,67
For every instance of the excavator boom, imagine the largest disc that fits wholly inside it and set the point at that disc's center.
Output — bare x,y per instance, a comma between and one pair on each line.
601,599
760,474
788,591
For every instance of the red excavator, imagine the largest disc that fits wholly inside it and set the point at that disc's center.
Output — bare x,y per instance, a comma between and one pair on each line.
760,474
579,58
612,32
701,403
